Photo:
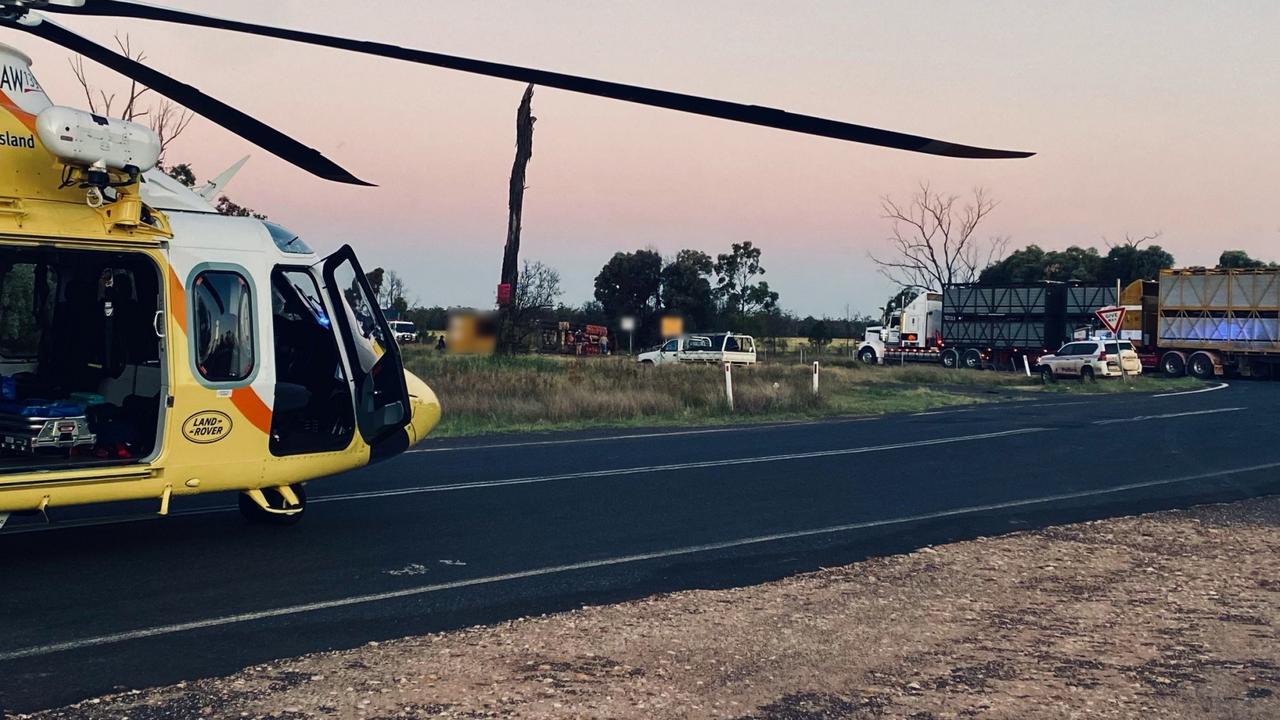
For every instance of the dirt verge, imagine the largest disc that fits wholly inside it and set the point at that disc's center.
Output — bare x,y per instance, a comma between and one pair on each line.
1172,615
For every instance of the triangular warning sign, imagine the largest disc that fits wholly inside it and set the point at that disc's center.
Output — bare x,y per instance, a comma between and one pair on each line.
1111,318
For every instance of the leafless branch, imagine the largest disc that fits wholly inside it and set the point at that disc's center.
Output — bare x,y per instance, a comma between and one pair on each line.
933,239
166,118
1131,242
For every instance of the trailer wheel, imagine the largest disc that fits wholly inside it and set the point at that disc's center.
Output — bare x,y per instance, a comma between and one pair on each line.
254,514
950,359
1086,375
972,359
1046,375
1201,366
1173,365
867,356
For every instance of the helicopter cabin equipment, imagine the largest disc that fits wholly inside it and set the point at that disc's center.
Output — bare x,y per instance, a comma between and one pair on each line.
151,348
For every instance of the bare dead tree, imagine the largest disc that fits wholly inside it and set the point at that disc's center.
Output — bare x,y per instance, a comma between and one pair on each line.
515,211
1132,242
169,120
166,118
535,296
934,239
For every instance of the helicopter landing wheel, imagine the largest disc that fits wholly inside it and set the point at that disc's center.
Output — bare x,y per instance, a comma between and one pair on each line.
280,512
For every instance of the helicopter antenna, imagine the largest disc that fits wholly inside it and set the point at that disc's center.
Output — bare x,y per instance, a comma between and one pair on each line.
219,184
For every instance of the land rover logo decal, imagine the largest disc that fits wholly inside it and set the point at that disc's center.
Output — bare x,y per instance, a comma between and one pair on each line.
207,427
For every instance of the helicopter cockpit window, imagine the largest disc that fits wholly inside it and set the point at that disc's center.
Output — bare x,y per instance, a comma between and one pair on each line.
223,328
287,240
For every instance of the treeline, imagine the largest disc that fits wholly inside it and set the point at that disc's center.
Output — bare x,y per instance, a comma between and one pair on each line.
727,292
724,293
1125,263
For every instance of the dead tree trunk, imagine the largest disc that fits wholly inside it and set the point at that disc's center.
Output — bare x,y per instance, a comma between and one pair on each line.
515,207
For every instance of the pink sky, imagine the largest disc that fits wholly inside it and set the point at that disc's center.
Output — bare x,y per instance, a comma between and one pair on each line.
1153,116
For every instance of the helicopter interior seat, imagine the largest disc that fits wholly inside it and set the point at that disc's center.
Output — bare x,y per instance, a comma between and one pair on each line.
131,377
312,409
68,359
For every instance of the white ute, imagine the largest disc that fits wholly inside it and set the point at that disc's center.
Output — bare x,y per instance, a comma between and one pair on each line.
712,348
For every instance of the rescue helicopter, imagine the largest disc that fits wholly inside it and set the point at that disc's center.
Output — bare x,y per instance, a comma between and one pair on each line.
151,348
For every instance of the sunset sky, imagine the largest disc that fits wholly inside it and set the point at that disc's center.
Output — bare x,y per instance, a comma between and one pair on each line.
1145,116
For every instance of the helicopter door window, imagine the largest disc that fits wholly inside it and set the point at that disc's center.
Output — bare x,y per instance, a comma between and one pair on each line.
382,399
223,327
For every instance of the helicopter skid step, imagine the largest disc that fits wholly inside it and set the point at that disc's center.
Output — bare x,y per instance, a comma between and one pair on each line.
292,504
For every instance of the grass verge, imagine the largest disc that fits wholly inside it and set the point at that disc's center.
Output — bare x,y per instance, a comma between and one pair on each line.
512,394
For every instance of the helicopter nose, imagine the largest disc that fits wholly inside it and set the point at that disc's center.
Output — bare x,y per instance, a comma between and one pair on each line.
423,406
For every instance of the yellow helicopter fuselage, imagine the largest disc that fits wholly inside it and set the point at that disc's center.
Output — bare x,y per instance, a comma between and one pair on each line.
151,348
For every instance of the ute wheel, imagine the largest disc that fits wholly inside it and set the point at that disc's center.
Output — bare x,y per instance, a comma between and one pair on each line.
867,356
1047,377
972,359
646,363
254,514
1173,365
1086,375
950,359
1201,366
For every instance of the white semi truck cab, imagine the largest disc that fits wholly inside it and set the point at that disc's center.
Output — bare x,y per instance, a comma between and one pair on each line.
913,333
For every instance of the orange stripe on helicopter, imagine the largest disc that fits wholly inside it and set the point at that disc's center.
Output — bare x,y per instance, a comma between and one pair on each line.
177,300
251,406
23,116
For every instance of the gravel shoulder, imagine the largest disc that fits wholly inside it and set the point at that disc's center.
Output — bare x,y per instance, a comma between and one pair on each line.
1170,615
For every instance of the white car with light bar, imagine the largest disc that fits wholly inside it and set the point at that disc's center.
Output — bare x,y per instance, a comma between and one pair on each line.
1090,360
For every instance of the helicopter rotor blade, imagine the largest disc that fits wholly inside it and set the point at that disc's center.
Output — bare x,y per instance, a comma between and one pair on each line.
247,127
750,114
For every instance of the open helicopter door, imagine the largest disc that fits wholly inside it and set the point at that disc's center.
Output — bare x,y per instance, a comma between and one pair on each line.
381,395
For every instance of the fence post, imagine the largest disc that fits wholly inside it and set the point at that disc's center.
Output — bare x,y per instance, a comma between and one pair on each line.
1026,364
728,384
815,377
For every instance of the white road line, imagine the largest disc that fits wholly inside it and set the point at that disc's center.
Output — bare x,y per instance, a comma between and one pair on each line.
1020,404
158,630
551,478
646,469
1166,416
642,436
1219,386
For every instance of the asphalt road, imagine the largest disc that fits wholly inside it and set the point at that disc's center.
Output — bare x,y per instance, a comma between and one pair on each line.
463,532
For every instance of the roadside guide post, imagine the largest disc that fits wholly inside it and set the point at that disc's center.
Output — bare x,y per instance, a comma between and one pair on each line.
628,325
728,384
1112,318
1026,364
815,377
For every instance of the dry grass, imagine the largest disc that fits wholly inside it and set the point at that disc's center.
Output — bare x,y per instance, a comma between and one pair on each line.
508,394
516,393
